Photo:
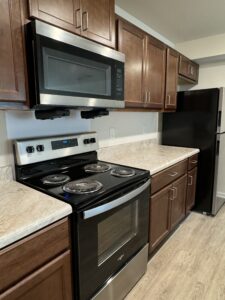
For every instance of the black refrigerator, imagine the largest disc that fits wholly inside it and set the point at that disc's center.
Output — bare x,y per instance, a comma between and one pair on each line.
199,122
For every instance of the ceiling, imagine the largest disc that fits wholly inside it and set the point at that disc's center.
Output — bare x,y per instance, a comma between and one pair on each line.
179,20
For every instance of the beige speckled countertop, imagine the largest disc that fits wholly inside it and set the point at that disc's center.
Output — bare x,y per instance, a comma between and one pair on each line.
145,155
24,210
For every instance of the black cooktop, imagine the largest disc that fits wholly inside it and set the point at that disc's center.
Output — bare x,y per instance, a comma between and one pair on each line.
75,170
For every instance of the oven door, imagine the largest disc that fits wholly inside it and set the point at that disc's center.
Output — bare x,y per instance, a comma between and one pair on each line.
109,235
75,72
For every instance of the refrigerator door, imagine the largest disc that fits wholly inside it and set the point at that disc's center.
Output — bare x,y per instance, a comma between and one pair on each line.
221,114
219,191
195,125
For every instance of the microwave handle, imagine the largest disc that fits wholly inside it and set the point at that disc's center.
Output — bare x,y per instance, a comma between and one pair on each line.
115,203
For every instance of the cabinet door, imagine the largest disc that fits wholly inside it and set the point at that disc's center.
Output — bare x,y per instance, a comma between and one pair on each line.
159,216
191,189
184,66
98,21
53,281
131,41
171,79
62,13
177,209
193,71
12,63
188,68
155,73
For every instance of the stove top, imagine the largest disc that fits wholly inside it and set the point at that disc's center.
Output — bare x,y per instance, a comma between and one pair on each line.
79,179
83,187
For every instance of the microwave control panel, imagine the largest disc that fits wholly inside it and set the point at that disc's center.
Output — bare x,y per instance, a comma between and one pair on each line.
120,82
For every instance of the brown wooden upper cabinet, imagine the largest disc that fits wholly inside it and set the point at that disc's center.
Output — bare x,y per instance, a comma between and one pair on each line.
188,69
92,19
131,41
145,67
155,73
12,62
172,61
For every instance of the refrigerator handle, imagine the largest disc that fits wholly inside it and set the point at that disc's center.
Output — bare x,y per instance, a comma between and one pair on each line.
218,148
219,118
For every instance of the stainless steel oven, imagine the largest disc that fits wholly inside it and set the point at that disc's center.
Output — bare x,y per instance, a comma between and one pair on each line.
110,202
110,234
69,71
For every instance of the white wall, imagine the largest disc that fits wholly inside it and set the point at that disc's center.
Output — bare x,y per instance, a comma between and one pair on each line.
23,124
121,127
207,47
211,75
5,147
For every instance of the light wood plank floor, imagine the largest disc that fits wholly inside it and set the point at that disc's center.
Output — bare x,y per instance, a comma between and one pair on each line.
190,266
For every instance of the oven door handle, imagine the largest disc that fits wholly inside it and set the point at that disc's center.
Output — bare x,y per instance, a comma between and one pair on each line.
112,204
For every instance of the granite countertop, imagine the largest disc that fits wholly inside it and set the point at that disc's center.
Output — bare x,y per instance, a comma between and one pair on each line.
145,155
24,210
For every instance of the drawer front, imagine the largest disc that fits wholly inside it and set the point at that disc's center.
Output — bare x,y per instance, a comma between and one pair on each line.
167,176
192,162
27,255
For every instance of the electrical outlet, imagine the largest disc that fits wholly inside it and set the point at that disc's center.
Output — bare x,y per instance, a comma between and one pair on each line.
112,133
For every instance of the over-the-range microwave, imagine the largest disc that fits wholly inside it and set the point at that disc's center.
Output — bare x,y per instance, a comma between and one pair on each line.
66,70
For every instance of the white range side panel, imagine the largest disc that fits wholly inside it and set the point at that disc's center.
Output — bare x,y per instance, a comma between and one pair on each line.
220,193
221,129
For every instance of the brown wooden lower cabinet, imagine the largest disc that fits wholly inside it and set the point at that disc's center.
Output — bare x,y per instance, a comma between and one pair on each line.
38,267
159,216
52,281
177,212
191,189
170,204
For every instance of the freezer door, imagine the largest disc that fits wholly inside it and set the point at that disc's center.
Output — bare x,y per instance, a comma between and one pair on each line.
221,114
219,194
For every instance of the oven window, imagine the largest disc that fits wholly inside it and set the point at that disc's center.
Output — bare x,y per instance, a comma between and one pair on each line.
116,230
75,74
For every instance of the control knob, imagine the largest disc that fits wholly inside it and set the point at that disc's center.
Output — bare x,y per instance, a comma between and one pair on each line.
87,141
40,148
30,149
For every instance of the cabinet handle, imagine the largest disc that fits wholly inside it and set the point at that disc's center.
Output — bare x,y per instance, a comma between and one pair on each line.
146,97
194,162
175,193
189,69
85,14
192,70
77,16
173,174
149,97
172,194
191,180
168,97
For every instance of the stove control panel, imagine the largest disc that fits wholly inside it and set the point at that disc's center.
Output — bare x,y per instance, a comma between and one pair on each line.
42,149
89,141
